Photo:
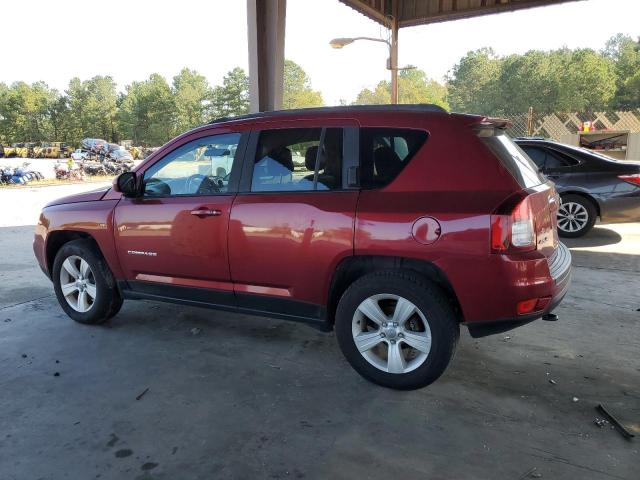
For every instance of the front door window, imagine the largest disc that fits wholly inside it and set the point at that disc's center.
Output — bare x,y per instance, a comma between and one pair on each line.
201,167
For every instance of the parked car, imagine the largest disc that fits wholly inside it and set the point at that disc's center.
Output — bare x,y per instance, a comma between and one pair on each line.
591,185
120,155
405,223
79,155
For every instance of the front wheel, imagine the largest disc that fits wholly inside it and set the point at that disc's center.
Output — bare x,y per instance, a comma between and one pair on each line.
84,285
576,216
396,329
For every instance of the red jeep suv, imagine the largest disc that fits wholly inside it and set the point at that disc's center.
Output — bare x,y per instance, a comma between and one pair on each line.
394,225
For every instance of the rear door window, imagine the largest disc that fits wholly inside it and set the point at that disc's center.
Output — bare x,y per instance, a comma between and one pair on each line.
298,160
385,152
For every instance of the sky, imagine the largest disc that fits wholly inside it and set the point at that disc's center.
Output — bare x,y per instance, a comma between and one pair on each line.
130,39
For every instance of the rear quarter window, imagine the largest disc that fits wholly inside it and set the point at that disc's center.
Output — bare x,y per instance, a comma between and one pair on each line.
514,160
385,152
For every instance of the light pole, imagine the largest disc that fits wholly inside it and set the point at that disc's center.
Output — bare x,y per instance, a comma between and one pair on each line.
392,62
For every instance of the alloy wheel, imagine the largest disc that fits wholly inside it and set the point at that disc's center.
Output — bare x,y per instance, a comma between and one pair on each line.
572,217
78,283
391,333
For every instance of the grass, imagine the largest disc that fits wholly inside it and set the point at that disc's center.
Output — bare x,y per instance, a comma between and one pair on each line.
47,182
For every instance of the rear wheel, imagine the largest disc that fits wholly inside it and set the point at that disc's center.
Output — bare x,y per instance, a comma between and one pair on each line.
396,329
84,285
576,216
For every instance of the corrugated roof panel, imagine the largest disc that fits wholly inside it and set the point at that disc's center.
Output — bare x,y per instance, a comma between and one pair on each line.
420,12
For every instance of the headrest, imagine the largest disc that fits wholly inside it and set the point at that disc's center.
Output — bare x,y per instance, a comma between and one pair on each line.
387,162
310,159
282,155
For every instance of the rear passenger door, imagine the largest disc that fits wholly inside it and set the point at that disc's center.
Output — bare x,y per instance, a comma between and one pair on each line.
293,218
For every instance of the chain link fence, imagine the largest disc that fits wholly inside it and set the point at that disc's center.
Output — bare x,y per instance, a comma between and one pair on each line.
558,125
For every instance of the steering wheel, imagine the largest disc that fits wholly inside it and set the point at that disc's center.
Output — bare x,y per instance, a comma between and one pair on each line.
206,185
218,180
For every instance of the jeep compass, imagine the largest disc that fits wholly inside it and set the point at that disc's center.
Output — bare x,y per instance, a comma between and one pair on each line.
392,225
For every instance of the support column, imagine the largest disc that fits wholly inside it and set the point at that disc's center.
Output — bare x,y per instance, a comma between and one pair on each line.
393,53
266,29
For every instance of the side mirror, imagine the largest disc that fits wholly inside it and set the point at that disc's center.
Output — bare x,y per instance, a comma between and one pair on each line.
127,184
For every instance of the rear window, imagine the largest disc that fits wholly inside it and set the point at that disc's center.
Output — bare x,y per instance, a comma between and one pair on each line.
384,152
514,159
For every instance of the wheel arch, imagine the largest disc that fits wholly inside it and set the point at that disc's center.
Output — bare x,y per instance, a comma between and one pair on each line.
352,268
58,238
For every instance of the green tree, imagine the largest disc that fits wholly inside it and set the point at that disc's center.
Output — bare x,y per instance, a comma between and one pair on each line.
298,92
24,111
413,87
589,82
529,80
232,97
192,95
560,80
59,119
92,109
4,94
379,95
473,82
146,113
624,52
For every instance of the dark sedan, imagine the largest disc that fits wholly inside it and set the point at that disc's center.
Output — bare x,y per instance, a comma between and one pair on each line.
590,184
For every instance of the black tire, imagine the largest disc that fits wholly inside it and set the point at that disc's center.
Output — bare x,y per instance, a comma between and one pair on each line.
428,298
108,299
588,207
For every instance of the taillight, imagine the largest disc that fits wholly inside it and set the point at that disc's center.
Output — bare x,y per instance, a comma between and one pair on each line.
514,230
634,179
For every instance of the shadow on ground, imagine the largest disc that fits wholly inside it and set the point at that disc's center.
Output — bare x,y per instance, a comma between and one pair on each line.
598,237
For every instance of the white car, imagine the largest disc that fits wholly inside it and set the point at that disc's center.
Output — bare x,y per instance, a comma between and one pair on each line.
79,155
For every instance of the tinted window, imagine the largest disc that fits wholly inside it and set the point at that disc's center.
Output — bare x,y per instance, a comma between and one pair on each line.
514,159
200,167
558,160
546,158
384,152
298,159
538,156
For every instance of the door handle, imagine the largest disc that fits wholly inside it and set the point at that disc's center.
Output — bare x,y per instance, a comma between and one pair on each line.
206,212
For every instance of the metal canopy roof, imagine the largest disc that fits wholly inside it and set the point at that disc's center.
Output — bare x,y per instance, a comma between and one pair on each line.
419,12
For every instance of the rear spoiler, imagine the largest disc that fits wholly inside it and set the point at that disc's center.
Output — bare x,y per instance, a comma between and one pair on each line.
490,126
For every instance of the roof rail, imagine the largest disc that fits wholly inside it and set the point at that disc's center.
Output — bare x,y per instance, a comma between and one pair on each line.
418,108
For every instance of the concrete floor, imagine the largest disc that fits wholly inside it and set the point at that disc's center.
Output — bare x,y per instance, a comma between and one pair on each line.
250,397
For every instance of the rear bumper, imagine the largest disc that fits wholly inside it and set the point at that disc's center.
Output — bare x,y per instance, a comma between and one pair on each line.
556,287
484,329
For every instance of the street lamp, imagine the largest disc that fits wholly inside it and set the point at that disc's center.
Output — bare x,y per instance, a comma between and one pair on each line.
392,62
338,43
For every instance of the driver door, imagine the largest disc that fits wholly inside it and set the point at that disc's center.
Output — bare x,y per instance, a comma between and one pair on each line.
172,241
